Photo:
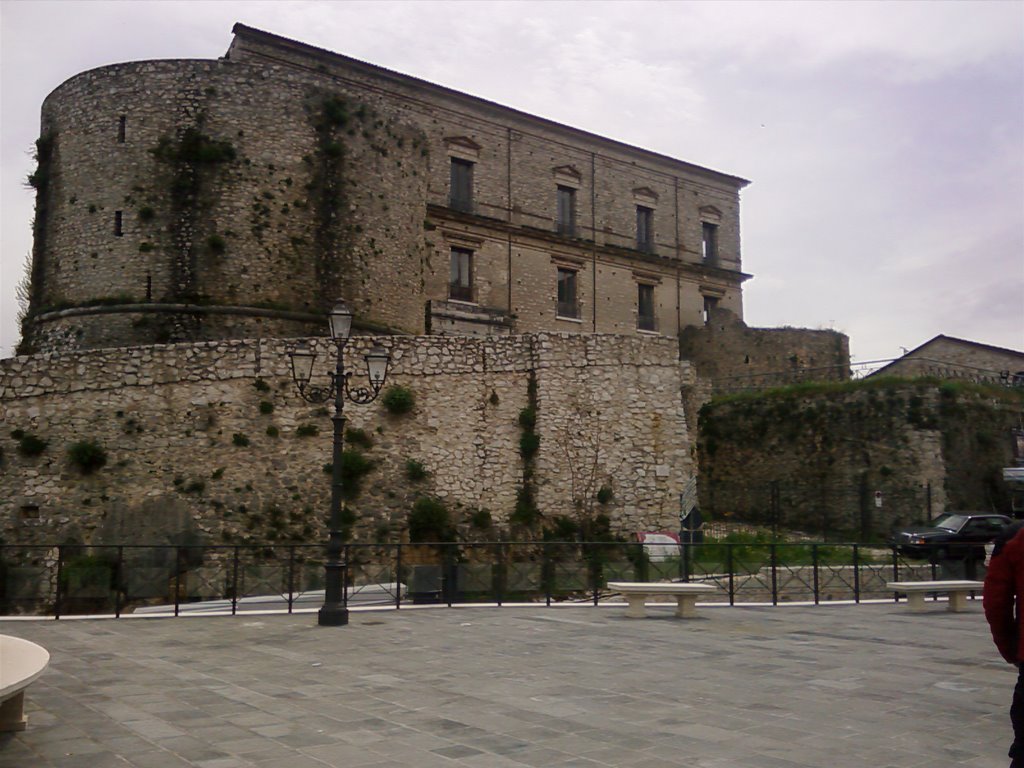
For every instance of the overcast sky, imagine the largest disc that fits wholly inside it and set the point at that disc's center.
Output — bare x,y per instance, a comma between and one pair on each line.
884,141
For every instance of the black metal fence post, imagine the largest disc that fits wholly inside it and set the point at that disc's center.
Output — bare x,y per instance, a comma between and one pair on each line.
234,581
398,576
178,568
730,568
856,573
118,581
773,555
291,577
817,577
59,597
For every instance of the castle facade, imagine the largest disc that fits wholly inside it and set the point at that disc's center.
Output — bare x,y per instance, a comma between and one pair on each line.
197,200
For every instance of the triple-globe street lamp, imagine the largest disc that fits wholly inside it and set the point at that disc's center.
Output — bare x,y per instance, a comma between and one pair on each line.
334,612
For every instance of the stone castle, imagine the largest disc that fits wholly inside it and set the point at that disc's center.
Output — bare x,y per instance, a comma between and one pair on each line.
192,215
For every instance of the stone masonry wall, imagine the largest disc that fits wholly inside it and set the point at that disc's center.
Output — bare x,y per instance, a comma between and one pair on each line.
815,461
211,441
737,358
241,196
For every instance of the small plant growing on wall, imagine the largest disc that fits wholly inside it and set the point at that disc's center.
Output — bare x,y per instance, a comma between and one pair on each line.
354,466
240,440
429,521
398,400
307,430
261,386
415,471
360,437
266,407
481,520
216,244
87,456
28,444
604,494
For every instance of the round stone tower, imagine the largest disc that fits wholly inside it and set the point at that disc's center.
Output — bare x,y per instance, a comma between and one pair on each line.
200,200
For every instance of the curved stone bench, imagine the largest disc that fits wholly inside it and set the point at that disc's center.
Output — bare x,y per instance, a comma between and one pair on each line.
21,662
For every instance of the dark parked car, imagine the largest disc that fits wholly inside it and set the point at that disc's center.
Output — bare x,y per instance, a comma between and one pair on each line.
954,534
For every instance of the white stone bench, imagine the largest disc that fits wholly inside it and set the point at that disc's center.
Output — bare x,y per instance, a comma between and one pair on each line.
21,662
685,593
916,590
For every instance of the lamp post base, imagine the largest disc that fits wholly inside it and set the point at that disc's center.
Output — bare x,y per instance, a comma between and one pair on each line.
332,616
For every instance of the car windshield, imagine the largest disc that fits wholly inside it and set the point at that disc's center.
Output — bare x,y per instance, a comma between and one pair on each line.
950,522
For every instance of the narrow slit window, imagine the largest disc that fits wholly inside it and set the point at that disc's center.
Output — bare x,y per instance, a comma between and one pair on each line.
644,228
461,193
566,215
568,304
709,244
460,281
122,123
710,303
645,320
118,231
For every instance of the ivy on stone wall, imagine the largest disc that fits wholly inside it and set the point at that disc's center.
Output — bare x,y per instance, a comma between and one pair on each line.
39,180
526,513
190,157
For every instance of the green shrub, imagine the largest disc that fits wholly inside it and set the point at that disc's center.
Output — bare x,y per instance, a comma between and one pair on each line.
605,494
307,430
216,244
481,520
218,473
398,400
146,213
272,431
261,386
196,486
28,444
87,456
359,437
354,466
239,439
415,471
266,407
429,521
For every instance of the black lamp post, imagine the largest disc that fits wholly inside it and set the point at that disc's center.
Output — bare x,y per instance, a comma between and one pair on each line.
334,612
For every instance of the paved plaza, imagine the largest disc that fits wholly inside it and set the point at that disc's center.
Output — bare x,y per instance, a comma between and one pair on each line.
836,686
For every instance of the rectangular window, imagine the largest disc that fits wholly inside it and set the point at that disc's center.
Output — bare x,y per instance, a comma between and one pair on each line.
644,228
460,280
710,302
566,221
118,231
709,244
461,194
567,306
645,320
121,124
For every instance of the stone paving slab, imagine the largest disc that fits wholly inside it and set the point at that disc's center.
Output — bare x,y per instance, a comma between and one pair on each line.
836,686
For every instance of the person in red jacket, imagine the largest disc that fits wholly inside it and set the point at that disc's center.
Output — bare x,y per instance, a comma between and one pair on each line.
1003,595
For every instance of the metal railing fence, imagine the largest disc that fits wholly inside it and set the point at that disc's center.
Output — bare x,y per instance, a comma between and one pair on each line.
64,580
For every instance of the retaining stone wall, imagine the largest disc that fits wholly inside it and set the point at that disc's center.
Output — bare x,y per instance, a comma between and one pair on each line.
203,441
